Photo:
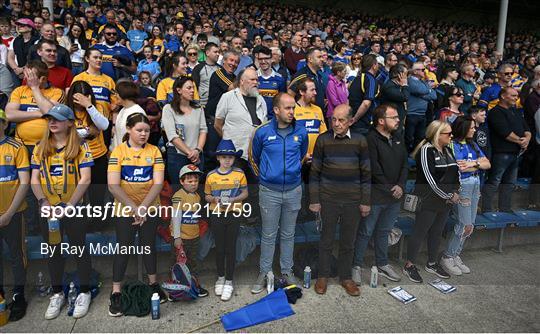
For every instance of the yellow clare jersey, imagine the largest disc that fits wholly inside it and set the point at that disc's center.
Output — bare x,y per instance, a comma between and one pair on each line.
136,168
190,206
97,145
225,185
164,90
58,177
312,119
13,159
31,132
103,87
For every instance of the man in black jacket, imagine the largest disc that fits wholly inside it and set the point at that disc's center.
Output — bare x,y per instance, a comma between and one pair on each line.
396,92
510,137
388,157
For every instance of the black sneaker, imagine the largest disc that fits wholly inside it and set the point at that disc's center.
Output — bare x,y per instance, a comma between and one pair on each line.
412,273
115,306
156,288
437,270
17,307
202,292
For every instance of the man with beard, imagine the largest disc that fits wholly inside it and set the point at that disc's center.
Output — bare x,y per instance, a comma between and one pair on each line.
389,169
221,82
275,154
118,61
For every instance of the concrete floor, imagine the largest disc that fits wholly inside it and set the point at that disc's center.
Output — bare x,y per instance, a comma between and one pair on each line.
501,295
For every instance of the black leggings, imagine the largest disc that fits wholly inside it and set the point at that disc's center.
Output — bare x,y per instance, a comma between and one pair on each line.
13,234
125,236
75,229
98,188
430,223
225,230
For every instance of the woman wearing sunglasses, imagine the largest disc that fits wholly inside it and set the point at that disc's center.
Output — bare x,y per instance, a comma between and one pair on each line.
451,103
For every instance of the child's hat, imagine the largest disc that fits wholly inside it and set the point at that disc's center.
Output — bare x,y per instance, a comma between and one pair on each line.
189,169
226,147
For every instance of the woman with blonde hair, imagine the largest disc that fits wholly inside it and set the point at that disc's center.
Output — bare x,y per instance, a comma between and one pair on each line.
437,187
192,53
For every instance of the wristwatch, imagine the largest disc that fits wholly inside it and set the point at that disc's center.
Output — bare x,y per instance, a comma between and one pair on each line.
198,150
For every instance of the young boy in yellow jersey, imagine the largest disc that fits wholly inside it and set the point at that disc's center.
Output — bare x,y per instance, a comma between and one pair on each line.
14,183
185,219
225,189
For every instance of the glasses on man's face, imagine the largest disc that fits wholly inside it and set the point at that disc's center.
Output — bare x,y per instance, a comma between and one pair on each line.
357,58
395,118
111,34
264,58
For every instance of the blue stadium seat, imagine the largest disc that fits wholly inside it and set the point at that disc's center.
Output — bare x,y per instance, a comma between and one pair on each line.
523,183
530,218
501,219
405,224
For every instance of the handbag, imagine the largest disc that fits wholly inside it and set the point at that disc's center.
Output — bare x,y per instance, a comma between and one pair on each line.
412,203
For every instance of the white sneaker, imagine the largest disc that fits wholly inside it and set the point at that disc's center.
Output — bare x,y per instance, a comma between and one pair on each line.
218,287
461,265
227,291
56,303
449,265
388,272
82,303
357,275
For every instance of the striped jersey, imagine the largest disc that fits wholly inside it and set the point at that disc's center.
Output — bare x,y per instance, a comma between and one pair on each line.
96,145
164,91
310,117
13,159
269,87
225,186
189,214
104,90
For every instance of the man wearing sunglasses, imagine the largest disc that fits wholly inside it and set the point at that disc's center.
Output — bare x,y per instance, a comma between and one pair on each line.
118,61
490,97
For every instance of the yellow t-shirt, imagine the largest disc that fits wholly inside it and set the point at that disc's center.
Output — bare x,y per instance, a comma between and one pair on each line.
97,145
103,87
190,206
311,117
58,177
164,90
157,47
136,168
225,186
32,131
13,159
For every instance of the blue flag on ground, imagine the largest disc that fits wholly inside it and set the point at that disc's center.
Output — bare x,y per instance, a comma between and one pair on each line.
271,307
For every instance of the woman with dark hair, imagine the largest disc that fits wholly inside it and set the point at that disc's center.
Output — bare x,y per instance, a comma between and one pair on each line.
340,57
90,123
178,68
451,102
135,178
185,126
128,93
157,43
79,44
471,160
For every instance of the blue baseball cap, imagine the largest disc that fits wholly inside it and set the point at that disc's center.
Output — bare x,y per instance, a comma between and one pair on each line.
61,112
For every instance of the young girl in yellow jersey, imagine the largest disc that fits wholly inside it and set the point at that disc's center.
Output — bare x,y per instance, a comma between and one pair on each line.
135,178
90,123
61,175
225,189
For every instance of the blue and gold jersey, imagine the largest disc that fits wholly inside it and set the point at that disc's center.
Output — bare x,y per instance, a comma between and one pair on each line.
30,132
58,176
189,206
136,168
225,185
312,119
164,90
104,90
13,159
269,87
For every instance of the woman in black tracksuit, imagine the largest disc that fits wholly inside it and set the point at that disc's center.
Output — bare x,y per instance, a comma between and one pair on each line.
437,186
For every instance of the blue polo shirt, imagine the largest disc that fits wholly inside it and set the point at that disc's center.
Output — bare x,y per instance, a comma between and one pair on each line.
109,52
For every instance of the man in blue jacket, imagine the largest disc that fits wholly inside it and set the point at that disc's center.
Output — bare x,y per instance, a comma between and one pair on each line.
421,93
275,155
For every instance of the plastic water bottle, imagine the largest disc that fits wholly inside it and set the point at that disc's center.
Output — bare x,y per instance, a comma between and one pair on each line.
40,285
307,277
155,306
374,277
54,231
72,296
3,312
270,282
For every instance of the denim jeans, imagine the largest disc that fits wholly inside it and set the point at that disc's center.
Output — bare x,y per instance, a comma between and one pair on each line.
278,211
380,221
466,213
504,168
415,129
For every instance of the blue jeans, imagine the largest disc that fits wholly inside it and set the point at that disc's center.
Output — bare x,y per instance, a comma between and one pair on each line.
278,211
175,162
466,212
504,169
380,221
415,130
